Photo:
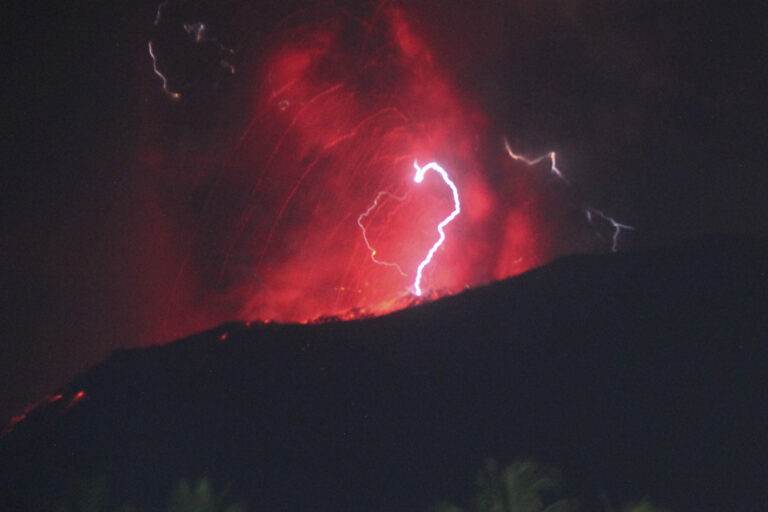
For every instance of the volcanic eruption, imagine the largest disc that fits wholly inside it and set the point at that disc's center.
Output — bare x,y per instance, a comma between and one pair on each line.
297,162
305,205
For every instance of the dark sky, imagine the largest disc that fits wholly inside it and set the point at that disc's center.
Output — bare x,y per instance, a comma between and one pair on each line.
657,111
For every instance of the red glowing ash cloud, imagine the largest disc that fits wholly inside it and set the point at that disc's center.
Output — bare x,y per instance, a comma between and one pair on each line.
344,109
341,108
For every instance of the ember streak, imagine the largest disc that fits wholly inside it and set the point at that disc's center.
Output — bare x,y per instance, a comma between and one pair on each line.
340,105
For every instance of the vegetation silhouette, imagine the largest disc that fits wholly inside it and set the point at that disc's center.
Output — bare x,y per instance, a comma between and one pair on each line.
521,486
526,486
93,495
200,498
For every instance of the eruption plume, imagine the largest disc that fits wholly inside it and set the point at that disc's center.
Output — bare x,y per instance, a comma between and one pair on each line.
315,138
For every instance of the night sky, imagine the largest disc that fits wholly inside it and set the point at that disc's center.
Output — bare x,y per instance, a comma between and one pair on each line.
656,110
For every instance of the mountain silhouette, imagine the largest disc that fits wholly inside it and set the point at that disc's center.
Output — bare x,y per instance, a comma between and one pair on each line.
639,374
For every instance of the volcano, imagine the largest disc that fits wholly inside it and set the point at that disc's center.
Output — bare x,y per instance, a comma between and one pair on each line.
638,373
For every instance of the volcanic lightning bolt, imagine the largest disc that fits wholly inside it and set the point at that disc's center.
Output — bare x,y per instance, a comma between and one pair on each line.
336,101
590,212
551,155
365,214
171,94
418,178
617,226
198,31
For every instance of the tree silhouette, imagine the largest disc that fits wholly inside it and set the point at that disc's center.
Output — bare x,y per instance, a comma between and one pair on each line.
199,498
87,495
84,495
522,486
519,487
92,495
643,506
525,486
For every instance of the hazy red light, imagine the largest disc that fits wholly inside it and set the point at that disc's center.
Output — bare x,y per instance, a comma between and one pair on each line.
340,111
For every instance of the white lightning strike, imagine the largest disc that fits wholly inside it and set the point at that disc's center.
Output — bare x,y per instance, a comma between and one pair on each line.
365,235
418,178
551,155
171,94
617,226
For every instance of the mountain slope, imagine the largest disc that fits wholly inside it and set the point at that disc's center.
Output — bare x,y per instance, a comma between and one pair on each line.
637,373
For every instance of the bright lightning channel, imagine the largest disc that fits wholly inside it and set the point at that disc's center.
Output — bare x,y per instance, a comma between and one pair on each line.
418,178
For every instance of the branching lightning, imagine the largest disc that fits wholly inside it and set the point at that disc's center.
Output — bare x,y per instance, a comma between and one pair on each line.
418,178
316,124
590,212
366,213
199,33
617,226
551,155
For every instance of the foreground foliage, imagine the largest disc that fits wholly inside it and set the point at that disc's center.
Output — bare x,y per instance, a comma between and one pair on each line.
525,486
522,486
92,495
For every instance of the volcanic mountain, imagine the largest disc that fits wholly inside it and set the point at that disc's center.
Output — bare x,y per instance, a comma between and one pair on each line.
637,373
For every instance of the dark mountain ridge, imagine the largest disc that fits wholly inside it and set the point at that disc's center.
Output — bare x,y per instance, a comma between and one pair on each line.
637,373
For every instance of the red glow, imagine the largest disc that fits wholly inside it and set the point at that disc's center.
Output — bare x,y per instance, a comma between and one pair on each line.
76,399
340,109
41,407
